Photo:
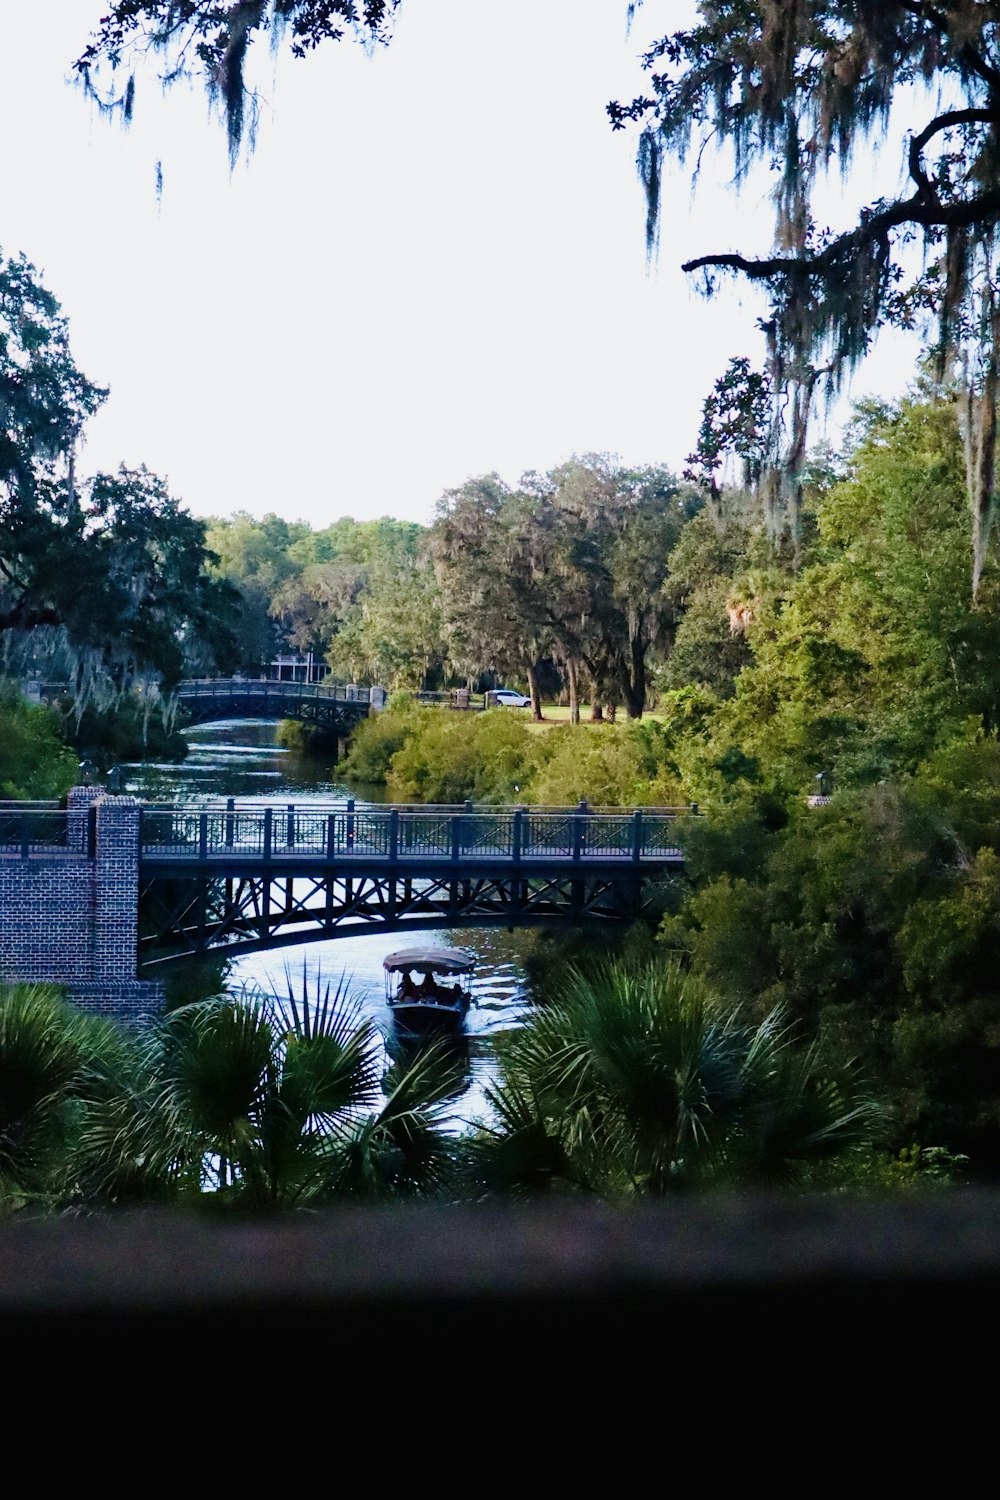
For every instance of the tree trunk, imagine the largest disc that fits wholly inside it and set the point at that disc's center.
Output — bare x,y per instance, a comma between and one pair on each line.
536,702
574,692
597,711
979,423
634,682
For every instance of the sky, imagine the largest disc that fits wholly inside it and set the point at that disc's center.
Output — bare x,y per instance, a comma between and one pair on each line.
431,267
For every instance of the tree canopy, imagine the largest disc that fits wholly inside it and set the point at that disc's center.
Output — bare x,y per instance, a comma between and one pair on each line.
101,577
800,87
211,38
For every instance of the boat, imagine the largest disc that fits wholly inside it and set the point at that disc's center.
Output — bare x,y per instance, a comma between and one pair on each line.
428,990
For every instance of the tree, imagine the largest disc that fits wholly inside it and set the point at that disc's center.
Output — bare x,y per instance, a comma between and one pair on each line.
492,577
106,577
212,38
254,556
798,88
167,612
34,761
872,653
44,402
613,529
395,637
363,596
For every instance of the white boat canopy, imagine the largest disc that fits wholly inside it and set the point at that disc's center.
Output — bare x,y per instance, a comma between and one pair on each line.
430,961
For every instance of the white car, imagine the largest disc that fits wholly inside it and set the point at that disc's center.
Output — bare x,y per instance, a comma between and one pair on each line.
507,698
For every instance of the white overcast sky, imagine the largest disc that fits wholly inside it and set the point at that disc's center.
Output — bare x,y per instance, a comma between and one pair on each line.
431,267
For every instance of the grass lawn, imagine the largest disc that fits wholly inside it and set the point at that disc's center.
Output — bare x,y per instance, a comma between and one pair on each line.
558,713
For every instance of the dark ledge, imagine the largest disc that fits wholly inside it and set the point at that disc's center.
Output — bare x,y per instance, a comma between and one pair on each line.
440,1258
572,1317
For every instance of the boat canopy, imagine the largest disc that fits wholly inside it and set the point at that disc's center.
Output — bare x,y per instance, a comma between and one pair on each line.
430,961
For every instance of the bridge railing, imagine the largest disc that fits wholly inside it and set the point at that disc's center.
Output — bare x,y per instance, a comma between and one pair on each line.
44,829
270,687
440,833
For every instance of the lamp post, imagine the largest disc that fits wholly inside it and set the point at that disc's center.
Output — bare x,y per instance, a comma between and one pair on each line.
824,789
88,772
115,781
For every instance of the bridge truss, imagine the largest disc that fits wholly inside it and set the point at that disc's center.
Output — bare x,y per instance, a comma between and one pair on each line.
253,912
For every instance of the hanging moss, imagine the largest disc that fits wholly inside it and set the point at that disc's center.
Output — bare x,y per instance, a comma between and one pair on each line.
798,87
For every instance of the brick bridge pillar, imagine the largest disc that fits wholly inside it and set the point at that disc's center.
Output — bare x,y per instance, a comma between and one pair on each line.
73,918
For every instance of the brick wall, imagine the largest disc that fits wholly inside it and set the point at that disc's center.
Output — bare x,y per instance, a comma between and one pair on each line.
72,919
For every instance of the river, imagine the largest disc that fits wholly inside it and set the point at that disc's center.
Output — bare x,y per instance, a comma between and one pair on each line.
241,758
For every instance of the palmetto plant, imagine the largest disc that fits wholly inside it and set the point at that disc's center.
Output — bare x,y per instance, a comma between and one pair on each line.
46,1050
636,1080
265,1103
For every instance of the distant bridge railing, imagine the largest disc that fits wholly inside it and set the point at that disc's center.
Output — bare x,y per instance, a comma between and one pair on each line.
270,687
458,834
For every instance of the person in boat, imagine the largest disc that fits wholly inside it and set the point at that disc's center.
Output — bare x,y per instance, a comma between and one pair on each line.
407,989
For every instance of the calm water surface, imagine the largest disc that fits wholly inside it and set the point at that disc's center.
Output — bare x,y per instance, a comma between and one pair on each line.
240,758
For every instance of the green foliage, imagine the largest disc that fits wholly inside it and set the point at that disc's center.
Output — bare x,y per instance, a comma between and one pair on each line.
873,654
102,581
377,739
620,767
734,422
360,596
873,921
571,566
47,1050
636,1081
261,1105
458,756
35,763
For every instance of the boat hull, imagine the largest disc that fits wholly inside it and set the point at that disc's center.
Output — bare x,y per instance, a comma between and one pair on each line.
424,1018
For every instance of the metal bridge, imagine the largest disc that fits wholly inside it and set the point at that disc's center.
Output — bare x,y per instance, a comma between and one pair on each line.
234,879
334,708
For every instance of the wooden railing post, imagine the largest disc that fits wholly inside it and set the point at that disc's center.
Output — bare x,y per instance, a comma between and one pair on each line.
268,832
394,834
290,827
517,834
230,820
203,835
331,835
350,824
456,836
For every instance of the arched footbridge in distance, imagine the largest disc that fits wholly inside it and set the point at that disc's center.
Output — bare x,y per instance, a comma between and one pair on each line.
336,708
231,878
